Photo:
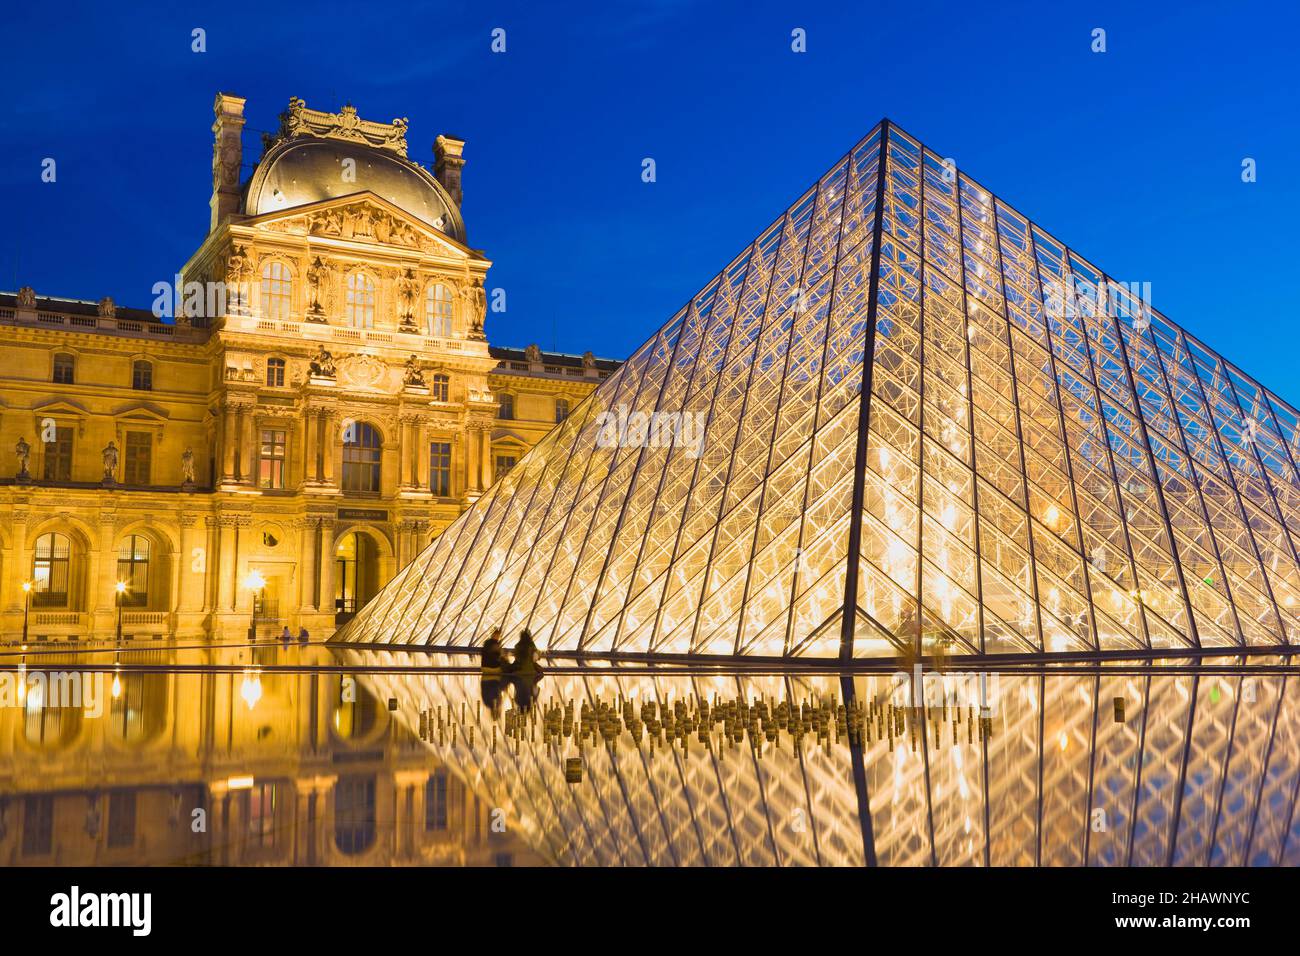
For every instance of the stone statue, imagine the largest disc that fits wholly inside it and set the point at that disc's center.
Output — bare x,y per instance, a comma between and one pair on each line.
533,354
110,462
107,309
316,275
26,297
413,376
588,360
187,466
322,364
24,452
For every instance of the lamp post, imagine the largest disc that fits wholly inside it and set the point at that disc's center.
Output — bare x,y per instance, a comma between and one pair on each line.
254,582
120,587
27,603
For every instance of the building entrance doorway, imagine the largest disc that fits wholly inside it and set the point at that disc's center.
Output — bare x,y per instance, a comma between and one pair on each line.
356,575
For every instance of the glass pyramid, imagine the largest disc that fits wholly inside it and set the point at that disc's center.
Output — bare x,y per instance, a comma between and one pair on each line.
928,427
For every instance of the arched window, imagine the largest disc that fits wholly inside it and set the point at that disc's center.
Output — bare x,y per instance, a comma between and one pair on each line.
354,813
277,290
362,448
441,390
507,406
561,409
437,310
65,366
275,372
133,568
361,301
52,570
142,376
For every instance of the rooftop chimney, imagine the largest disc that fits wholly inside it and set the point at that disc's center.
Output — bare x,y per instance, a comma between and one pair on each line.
448,162
227,153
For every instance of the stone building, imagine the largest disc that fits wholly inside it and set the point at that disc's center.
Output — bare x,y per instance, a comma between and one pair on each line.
180,765
308,401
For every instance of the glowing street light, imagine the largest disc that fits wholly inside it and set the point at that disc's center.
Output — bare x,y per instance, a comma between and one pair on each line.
121,588
254,582
27,603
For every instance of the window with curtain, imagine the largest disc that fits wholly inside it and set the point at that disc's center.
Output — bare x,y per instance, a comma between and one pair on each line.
58,455
270,463
277,290
275,372
437,310
507,406
561,409
137,458
440,468
360,306
142,376
65,366
440,390
362,450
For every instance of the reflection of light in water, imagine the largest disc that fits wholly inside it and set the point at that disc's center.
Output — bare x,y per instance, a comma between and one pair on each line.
251,690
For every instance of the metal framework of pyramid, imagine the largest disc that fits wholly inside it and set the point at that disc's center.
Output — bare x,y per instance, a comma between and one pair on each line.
929,427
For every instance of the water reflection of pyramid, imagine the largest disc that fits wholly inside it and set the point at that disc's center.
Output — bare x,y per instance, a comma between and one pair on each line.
1194,770
927,422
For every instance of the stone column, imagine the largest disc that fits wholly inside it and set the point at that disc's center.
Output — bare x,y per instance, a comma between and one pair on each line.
228,443
247,436
421,452
485,438
404,470
329,445
189,584
308,575
103,597
19,566
326,592
472,467
311,447
226,566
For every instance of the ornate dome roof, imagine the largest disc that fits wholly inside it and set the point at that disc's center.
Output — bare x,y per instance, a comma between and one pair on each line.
306,170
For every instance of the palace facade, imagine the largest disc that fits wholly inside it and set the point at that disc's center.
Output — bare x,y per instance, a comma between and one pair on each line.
309,400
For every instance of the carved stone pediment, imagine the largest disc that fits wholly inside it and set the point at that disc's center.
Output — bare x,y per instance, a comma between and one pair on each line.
362,220
344,125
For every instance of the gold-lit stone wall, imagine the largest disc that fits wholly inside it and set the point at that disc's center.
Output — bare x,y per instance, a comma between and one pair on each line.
317,402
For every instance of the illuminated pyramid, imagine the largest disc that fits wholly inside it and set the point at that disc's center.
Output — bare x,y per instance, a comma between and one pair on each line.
927,427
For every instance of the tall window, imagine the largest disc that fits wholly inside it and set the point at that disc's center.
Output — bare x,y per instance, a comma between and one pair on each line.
354,813
440,468
261,814
58,455
136,461
361,453
270,464
133,568
275,372
277,290
507,403
38,824
561,409
142,376
64,368
435,802
361,301
441,391
437,310
51,565
505,463
121,818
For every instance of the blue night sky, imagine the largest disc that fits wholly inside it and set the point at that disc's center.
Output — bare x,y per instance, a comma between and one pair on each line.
1133,157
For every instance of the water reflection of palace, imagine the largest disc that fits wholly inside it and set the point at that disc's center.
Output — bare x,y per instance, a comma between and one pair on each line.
247,766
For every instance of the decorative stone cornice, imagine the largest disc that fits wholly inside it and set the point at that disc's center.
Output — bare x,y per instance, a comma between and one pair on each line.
344,125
